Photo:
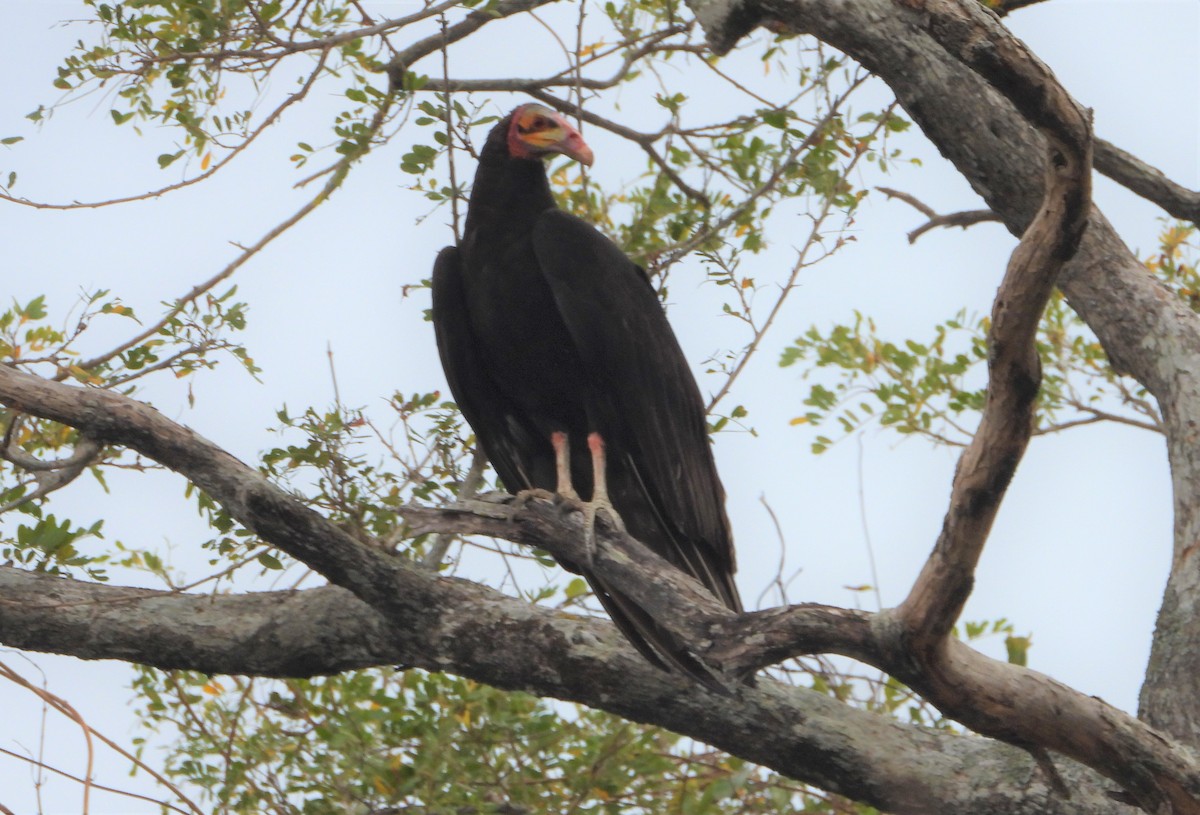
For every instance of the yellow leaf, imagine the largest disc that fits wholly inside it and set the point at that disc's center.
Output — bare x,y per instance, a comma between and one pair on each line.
212,688
798,420
207,160
464,718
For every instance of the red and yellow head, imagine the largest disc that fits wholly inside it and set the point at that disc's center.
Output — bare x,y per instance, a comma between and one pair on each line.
536,131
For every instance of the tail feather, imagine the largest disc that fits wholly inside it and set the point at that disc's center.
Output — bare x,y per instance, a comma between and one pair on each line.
654,641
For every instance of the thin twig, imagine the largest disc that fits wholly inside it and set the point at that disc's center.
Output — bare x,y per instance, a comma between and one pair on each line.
343,168
224,161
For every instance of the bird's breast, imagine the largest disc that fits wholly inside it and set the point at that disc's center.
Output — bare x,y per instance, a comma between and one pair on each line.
522,336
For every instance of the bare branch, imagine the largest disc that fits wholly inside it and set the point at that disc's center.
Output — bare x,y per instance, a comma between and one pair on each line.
1149,182
50,475
65,708
1124,168
960,219
1005,7
1014,373
475,20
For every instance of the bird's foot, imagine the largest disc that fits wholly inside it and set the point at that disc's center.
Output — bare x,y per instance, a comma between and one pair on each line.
589,524
563,501
525,496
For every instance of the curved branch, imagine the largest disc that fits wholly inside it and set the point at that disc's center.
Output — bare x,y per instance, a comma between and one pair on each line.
959,219
476,20
1150,336
1014,372
50,475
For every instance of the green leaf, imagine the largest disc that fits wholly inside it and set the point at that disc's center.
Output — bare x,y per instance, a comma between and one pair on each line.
1018,649
578,587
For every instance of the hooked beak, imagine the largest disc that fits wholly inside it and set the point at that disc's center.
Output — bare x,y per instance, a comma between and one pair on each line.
575,147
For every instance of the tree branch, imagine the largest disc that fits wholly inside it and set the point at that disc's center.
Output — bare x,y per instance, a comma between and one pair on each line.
509,644
959,219
1014,372
398,65
448,624
1149,182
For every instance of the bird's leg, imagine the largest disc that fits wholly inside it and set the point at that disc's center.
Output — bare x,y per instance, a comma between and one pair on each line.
599,493
562,470
562,465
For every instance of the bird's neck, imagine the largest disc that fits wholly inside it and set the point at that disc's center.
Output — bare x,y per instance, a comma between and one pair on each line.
509,193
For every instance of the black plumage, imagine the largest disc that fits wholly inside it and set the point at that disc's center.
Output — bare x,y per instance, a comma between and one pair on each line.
546,328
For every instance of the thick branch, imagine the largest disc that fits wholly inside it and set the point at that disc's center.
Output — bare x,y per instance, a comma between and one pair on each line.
507,643
280,634
1146,332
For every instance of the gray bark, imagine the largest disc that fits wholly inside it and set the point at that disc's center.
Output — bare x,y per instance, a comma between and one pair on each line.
493,638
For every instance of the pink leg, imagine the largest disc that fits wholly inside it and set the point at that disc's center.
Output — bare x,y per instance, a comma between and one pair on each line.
599,470
562,465
600,481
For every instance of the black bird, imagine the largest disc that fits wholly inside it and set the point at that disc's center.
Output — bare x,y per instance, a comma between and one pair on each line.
560,357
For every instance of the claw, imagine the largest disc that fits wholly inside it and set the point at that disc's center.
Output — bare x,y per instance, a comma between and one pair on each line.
589,524
599,497
525,496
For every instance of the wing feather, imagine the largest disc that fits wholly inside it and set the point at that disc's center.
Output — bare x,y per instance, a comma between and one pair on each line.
505,438
644,397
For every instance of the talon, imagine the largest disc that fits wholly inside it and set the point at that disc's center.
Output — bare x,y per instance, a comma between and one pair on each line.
599,497
589,534
525,496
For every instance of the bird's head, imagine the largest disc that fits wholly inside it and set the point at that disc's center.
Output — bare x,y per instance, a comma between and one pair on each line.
535,131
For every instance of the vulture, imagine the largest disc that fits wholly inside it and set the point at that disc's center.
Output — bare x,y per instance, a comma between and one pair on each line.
560,357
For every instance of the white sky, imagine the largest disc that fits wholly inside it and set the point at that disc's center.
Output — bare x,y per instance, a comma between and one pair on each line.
1079,553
